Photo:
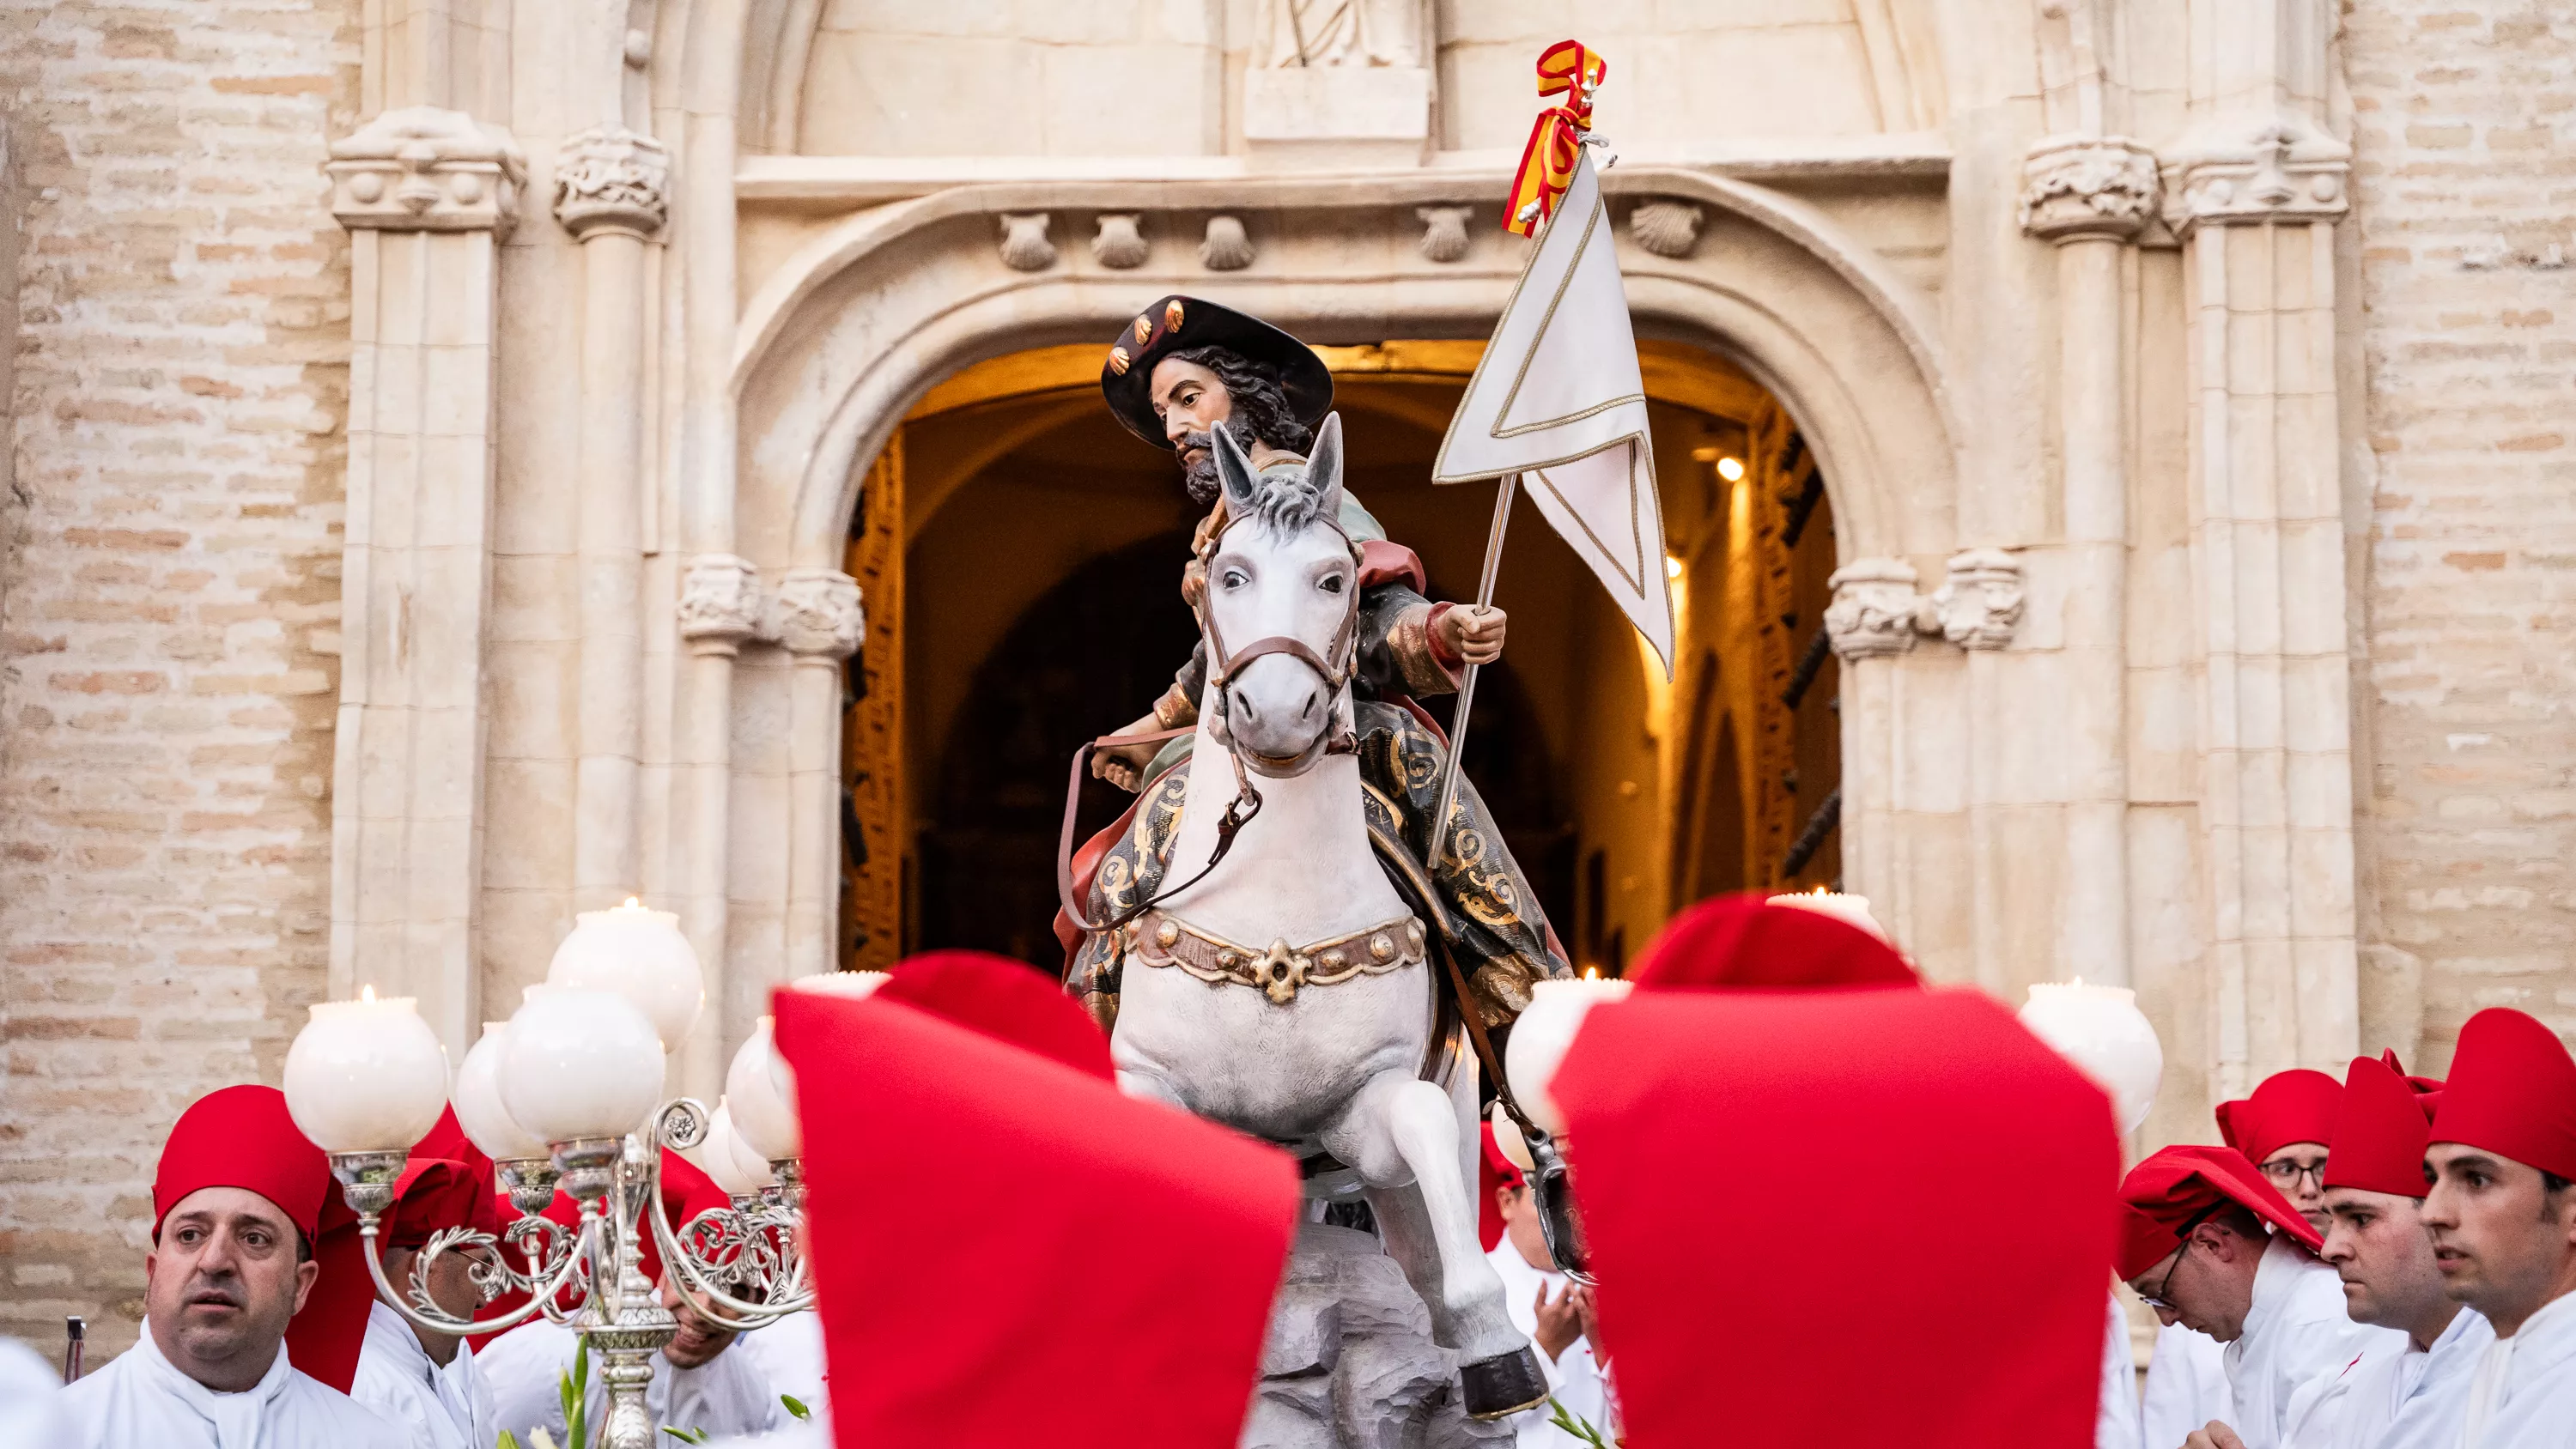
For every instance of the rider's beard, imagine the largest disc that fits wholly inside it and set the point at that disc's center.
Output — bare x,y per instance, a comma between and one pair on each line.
1199,475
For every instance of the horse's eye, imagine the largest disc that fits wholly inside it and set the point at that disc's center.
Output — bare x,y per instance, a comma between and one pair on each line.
1332,583
1234,579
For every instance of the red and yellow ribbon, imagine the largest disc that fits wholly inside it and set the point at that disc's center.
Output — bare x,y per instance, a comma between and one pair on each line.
1556,138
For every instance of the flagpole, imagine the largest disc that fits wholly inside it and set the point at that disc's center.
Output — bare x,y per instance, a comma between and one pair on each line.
1439,832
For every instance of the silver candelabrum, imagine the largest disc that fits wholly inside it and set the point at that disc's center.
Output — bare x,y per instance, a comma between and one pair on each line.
738,1267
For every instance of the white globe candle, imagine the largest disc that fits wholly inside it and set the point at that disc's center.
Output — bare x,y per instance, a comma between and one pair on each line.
580,1064
479,1110
852,984
642,955
2101,1030
716,1155
750,1165
1541,1036
366,1075
764,1115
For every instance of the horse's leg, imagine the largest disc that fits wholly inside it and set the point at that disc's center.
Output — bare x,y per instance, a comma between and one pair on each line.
1401,1134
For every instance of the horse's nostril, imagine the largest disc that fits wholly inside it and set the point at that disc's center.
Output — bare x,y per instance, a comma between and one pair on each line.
1241,708
1312,698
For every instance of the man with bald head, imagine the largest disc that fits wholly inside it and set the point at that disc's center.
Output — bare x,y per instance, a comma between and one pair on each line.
236,1200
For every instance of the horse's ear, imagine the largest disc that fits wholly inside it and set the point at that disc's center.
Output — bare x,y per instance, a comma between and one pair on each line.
1324,466
1234,474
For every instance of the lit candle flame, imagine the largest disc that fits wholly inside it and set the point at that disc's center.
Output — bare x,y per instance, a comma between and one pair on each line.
367,994
634,903
1591,973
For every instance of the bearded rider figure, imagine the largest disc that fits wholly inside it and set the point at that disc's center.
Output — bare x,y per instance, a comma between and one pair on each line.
1183,368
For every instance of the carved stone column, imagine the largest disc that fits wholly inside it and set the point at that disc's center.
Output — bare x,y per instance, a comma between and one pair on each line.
721,609
426,195
609,193
2090,196
820,623
2256,201
1872,621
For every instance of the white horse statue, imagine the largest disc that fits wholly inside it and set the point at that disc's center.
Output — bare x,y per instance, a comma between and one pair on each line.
1295,997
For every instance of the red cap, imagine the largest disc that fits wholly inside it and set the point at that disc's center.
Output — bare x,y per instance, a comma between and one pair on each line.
435,1191
2293,1106
1744,940
2380,1131
242,1137
1067,1254
447,1142
1021,1005
1682,1105
2179,1186
1494,1172
2512,1092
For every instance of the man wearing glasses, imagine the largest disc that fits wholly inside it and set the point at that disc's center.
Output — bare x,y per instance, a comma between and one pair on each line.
2208,1243
2283,1129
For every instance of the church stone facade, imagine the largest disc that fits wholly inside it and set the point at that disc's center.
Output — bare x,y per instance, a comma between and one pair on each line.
437,430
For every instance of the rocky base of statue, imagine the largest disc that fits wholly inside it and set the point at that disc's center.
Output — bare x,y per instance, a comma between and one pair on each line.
1350,1364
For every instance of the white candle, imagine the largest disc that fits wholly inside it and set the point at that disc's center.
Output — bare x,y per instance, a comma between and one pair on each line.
642,955
2101,1030
579,1064
1849,909
717,1155
764,1115
479,1109
366,1075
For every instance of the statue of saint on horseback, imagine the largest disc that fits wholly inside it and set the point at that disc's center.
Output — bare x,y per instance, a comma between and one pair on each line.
1287,987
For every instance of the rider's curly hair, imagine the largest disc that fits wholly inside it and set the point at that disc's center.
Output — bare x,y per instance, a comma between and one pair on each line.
1261,412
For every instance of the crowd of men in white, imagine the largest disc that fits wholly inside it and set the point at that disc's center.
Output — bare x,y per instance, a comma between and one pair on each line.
2385,1262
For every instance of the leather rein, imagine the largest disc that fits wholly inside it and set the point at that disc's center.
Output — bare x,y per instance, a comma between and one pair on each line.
1223,666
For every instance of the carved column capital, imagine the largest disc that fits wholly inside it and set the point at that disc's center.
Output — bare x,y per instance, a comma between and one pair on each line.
421,168
2079,187
817,612
719,602
1980,602
610,179
1875,610
2280,169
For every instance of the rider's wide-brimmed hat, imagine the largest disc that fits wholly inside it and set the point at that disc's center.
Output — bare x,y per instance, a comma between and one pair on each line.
1177,323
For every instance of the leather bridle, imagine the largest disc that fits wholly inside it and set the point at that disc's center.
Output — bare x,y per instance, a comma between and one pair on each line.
1335,670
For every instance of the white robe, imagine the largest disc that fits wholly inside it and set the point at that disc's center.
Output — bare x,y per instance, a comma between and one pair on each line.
2295,1331
141,1402
31,1409
1573,1378
2115,1414
436,1407
789,1353
2522,1393
727,1395
2186,1387
2396,1397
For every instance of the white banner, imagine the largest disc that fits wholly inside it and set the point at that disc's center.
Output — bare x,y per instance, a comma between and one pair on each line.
1558,400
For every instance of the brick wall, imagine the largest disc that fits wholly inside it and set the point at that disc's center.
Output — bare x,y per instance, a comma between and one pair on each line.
2465,184
167,600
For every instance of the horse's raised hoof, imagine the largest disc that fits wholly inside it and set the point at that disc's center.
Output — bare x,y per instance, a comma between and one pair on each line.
1504,1384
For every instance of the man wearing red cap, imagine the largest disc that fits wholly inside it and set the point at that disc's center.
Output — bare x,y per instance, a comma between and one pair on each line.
236,1205
1555,1311
420,1379
2405,1395
2283,1128
2194,1244
2502,1211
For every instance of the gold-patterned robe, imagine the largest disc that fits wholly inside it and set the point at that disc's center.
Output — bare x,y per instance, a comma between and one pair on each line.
1474,896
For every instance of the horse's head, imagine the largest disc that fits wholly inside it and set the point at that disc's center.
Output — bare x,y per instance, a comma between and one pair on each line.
1282,605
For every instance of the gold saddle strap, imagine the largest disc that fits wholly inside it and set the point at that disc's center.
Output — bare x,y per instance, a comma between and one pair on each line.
1158,938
